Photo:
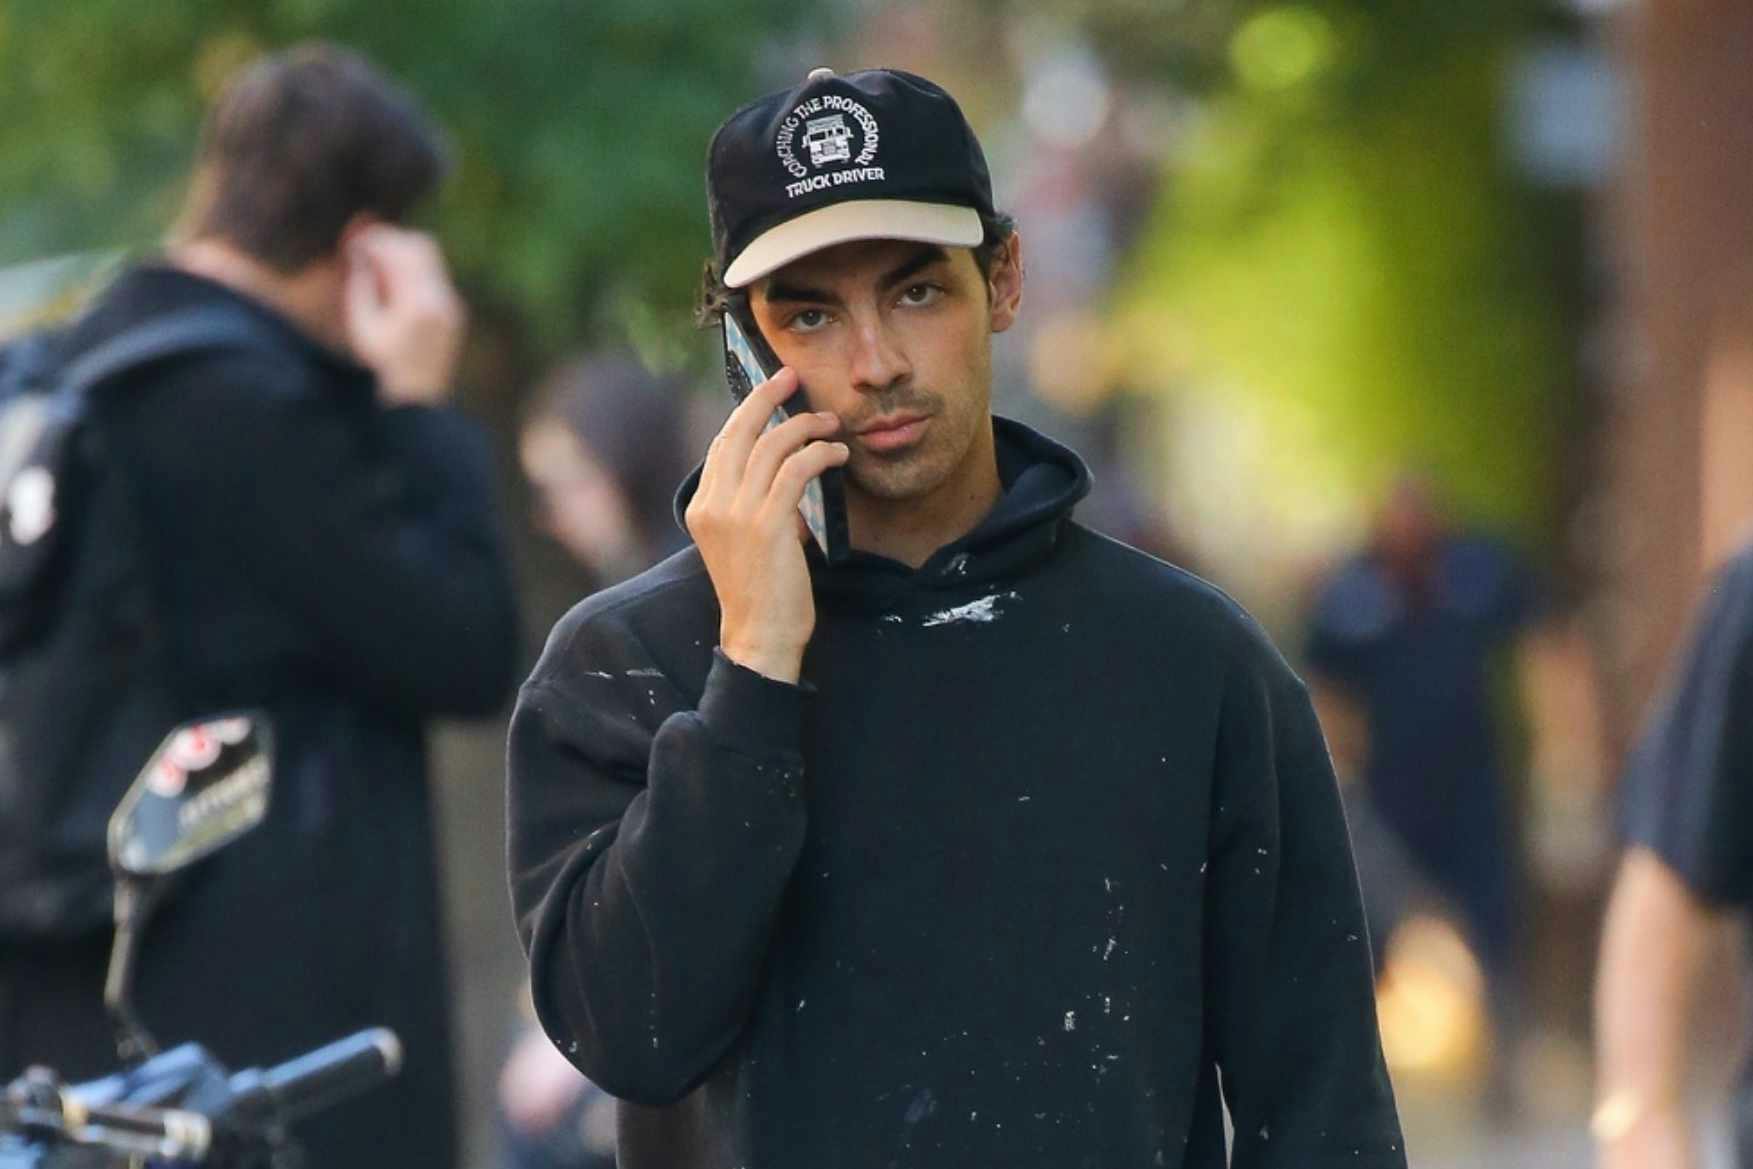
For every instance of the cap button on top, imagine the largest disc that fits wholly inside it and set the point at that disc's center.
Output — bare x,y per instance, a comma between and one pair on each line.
820,73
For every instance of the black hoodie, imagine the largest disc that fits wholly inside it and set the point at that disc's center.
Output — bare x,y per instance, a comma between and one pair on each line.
1047,840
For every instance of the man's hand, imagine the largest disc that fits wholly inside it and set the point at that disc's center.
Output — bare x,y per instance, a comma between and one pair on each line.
745,521
1658,1139
404,319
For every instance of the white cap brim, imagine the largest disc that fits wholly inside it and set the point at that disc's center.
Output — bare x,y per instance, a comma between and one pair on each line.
839,223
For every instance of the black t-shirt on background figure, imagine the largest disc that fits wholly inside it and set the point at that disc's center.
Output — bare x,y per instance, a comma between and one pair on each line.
1688,791
1688,794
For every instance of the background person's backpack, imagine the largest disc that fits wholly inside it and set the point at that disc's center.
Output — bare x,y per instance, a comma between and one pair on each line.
81,701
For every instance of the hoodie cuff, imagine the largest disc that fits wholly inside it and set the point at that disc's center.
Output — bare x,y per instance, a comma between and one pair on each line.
750,713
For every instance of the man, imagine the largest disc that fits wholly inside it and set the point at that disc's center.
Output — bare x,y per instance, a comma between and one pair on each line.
996,844
1406,634
318,537
1688,866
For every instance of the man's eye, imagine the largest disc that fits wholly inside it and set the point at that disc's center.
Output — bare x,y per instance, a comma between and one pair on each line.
921,294
807,321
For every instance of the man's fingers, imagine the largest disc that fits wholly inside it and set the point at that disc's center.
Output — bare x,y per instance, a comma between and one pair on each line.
773,447
404,317
408,265
375,248
802,466
401,249
729,452
361,290
403,270
744,425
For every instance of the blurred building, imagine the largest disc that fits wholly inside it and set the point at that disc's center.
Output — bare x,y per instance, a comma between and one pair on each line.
1676,468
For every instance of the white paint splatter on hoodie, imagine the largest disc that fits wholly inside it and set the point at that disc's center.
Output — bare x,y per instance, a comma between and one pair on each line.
983,611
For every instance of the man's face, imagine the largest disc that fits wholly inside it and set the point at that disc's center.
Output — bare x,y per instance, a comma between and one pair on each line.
578,501
896,339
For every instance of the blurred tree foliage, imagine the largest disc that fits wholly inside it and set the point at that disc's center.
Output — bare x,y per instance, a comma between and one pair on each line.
1343,250
1151,40
579,127
1340,244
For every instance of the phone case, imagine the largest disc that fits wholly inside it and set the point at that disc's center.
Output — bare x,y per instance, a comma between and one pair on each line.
748,361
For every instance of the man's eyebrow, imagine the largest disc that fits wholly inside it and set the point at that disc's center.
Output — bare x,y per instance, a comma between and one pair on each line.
924,258
777,290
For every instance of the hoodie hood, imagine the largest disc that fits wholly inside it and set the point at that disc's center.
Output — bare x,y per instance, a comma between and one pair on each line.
1042,482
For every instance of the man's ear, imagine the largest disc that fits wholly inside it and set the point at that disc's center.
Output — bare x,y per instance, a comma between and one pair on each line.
1004,284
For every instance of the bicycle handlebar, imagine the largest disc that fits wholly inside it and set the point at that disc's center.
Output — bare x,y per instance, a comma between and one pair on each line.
258,1098
319,1078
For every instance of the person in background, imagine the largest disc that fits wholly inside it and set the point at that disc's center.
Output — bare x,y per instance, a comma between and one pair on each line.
320,539
1402,639
1687,821
602,448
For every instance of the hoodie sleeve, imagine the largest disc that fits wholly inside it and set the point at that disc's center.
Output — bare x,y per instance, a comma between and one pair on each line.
647,867
1293,1019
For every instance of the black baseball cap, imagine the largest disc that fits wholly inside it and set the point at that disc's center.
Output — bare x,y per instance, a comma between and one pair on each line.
878,154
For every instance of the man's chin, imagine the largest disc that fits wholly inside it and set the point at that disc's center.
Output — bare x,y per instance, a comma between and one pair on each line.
893,481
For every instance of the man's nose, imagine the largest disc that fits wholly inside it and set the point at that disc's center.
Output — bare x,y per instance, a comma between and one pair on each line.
878,358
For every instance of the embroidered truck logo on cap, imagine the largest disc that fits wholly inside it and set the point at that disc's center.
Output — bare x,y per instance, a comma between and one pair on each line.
829,140
833,130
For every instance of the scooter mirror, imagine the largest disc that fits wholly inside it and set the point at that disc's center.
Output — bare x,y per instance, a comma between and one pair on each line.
206,785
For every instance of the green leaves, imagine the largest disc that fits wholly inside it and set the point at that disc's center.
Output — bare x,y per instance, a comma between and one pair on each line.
580,127
1343,258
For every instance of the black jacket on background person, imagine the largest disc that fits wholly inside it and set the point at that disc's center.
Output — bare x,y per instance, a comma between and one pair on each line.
1047,839
338,563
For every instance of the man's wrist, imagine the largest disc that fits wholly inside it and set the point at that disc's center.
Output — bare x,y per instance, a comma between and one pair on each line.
777,664
1616,1115
1622,1112
754,715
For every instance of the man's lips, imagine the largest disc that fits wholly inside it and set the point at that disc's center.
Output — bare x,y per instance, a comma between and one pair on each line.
892,433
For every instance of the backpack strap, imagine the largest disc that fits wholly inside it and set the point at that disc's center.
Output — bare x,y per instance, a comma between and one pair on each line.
190,331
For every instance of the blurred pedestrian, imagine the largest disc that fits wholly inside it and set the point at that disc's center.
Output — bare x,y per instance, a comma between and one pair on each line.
602,449
1406,632
1687,821
996,842
319,542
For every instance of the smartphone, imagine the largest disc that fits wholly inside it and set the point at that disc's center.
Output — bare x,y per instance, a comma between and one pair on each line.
749,361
